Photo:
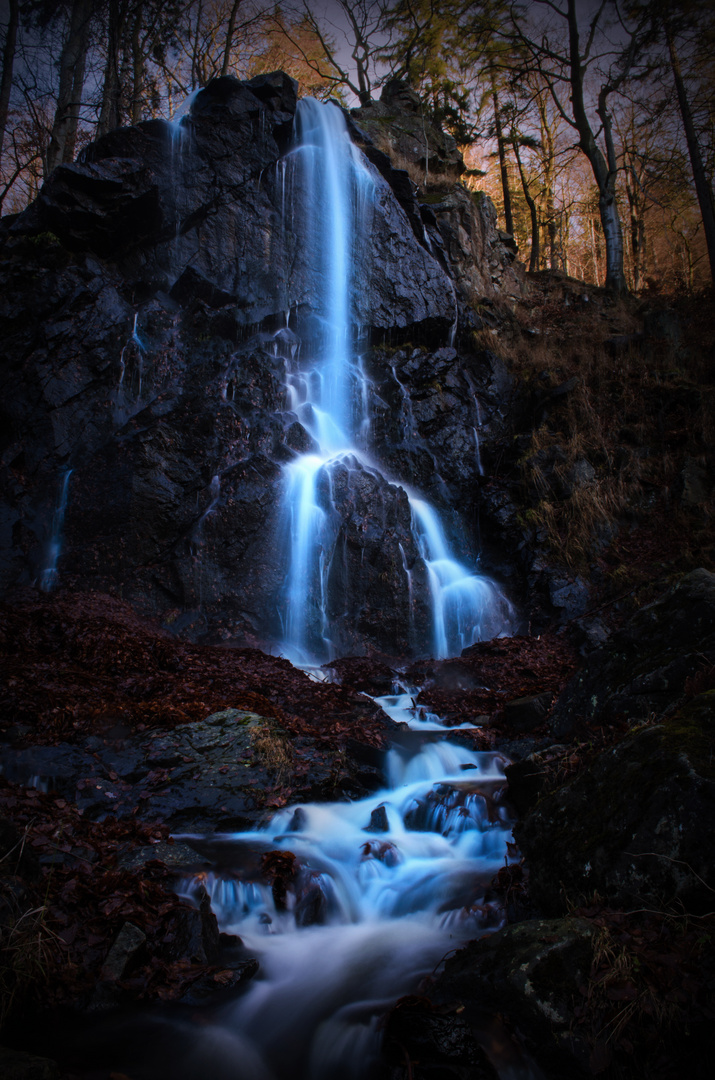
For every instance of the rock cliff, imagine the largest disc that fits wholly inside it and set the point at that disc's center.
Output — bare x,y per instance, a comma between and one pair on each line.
154,297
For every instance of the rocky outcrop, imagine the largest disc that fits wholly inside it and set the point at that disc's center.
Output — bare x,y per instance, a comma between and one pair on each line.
634,825
643,669
423,165
154,299
398,126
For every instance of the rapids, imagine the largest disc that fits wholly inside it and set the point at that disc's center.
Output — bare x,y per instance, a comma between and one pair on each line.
367,899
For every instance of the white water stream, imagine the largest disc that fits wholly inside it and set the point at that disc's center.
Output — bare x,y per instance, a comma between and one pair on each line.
382,889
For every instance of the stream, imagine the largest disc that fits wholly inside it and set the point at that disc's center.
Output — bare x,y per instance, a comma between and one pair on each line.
367,899
348,906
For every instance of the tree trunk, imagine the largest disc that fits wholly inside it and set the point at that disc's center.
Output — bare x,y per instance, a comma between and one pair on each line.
613,237
72,60
109,115
702,187
604,171
549,160
137,65
8,62
501,147
535,246
229,37
74,108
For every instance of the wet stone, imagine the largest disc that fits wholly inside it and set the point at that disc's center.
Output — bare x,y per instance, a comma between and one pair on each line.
123,953
16,1065
378,820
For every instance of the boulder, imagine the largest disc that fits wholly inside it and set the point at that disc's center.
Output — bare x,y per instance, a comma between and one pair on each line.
643,668
146,416
636,826
17,1065
530,973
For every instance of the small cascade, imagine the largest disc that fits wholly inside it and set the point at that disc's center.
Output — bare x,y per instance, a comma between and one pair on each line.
330,394
465,606
215,495
401,706
352,903
48,575
476,435
132,353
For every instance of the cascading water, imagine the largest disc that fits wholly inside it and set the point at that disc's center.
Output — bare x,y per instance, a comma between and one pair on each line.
330,396
346,905
374,893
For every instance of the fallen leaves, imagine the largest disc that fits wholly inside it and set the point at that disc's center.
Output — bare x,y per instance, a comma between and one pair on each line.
78,664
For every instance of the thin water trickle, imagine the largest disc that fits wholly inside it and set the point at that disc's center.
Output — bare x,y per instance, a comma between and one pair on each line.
48,574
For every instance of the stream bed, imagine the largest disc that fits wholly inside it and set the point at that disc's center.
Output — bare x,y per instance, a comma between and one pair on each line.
349,905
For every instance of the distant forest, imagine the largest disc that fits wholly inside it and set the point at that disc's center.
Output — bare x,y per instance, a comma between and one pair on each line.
591,125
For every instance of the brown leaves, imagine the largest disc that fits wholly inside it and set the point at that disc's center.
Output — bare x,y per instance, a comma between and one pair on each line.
73,665
88,897
493,672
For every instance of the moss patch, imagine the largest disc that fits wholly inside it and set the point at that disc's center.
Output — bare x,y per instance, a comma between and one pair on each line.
691,730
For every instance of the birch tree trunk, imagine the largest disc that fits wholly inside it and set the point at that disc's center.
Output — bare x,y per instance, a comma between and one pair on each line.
72,61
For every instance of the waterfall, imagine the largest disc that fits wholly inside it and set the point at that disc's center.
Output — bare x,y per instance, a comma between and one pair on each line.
329,393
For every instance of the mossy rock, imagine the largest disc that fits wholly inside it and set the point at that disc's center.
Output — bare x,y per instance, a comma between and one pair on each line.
644,668
532,973
637,826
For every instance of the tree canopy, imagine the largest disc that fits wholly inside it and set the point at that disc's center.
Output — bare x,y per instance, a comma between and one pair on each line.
590,123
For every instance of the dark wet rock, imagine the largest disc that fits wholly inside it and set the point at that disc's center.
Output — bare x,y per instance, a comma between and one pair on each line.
125,952
216,986
212,774
430,409
378,821
173,414
532,973
526,779
17,1065
465,233
571,596
695,483
397,127
635,825
643,668
174,855
195,934
527,713
438,1045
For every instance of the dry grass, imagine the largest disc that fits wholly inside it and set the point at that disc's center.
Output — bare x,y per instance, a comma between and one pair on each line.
639,410
29,950
272,750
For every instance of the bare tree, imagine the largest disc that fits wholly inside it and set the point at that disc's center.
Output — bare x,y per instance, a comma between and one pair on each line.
703,187
361,27
563,68
69,96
